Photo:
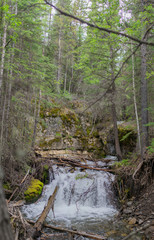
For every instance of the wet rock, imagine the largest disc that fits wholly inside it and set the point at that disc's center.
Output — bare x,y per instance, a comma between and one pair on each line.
127,211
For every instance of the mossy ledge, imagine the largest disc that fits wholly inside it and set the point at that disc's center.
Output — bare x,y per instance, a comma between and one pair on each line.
34,191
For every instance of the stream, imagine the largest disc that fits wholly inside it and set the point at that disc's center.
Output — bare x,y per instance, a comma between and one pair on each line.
85,201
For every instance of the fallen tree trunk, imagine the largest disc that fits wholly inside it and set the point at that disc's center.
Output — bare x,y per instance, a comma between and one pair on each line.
75,164
80,233
72,162
39,223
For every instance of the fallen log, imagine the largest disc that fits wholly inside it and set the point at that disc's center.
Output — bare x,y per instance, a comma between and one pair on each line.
39,223
72,162
75,164
80,233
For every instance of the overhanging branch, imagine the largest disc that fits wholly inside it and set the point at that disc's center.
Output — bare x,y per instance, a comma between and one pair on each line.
97,27
113,80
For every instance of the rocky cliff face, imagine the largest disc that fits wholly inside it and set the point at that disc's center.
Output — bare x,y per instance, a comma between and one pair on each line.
63,130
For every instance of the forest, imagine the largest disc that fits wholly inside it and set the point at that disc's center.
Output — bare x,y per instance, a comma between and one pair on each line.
76,92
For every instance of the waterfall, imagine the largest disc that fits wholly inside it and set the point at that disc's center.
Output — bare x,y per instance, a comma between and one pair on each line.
81,196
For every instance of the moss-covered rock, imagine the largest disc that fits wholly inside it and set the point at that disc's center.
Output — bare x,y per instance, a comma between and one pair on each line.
34,191
63,128
7,186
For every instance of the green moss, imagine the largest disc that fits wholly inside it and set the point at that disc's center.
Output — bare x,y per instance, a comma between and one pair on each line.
34,190
124,162
45,177
46,144
127,136
6,186
80,176
52,112
68,117
58,135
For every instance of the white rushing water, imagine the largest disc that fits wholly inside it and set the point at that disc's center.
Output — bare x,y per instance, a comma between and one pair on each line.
81,196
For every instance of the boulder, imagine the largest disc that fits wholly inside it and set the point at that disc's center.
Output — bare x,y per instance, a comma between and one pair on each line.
34,191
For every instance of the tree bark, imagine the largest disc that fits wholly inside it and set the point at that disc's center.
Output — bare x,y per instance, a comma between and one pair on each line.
71,79
5,228
113,107
135,101
144,98
3,53
36,115
115,127
65,80
59,61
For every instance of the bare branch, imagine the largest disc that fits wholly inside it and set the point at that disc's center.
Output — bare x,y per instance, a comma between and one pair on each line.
113,80
118,73
97,27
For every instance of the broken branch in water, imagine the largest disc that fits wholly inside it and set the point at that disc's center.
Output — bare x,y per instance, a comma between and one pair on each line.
39,223
72,162
80,233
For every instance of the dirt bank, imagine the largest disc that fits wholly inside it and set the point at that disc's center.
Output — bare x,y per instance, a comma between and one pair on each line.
135,188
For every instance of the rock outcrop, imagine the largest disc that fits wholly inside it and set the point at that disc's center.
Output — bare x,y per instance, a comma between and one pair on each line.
61,129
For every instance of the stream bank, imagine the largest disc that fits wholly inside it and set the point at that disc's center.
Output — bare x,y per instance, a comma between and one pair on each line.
115,228
135,188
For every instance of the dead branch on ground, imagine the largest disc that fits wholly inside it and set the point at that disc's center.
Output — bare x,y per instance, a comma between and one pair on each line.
39,223
84,234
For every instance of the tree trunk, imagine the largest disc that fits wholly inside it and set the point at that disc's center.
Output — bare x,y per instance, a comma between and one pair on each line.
135,102
71,77
5,228
3,55
39,223
144,98
36,115
115,127
113,107
65,81
2,122
59,62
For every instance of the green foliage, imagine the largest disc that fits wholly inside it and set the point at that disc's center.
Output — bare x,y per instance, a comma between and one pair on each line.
124,162
67,95
151,147
81,176
126,136
45,175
